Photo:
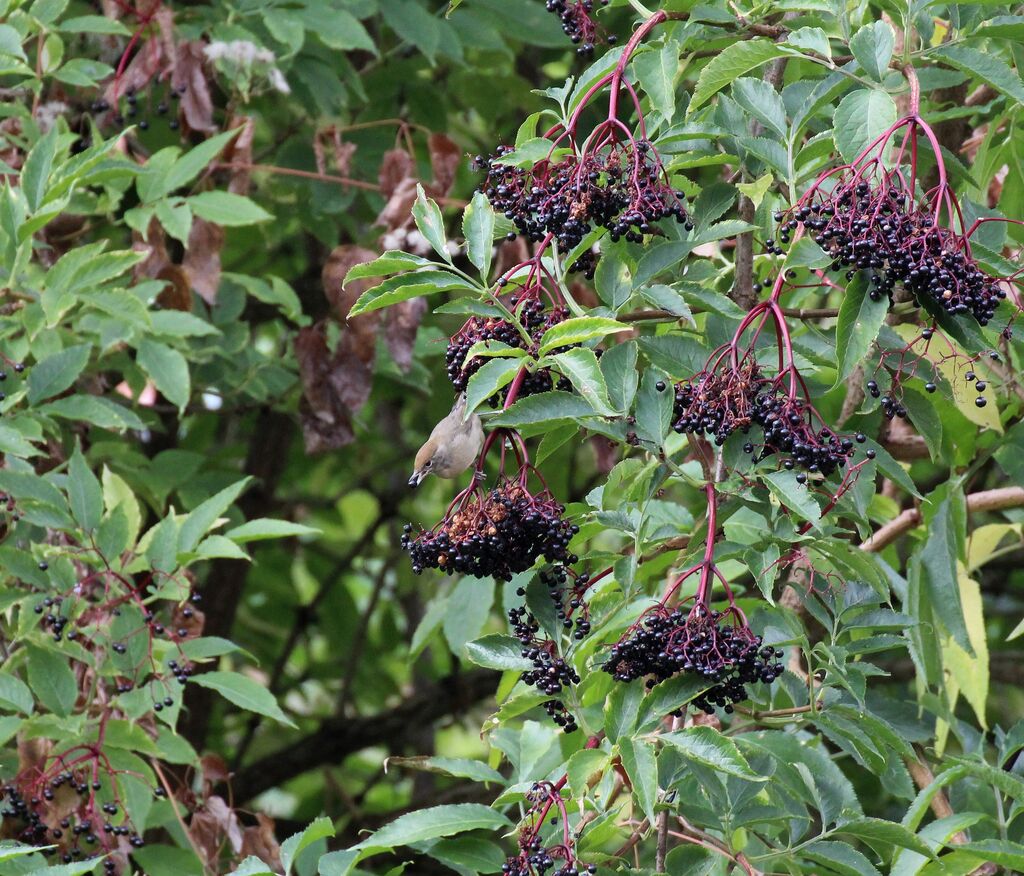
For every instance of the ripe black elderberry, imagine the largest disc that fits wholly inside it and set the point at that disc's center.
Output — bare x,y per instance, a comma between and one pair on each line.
535,319
576,22
717,646
534,859
498,533
623,189
878,227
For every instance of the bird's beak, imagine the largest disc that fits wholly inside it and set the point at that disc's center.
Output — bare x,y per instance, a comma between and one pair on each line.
417,476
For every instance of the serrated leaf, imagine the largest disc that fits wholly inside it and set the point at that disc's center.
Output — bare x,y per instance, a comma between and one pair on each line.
580,365
264,528
578,330
430,223
225,208
497,652
478,229
84,492
542,407
730,64
861,117
641,765
795,496
710,748
203,517
55,373
437,821
168,370
987,66
292,847
52,680
244,693
407,286
656,70
860,319
872,46
491,377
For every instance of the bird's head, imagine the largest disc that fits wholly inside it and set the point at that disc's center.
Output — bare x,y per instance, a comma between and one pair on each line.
424,463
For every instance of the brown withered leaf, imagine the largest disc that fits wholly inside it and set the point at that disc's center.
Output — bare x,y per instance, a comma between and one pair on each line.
395,166
148,61
239,153
341,151
259,841
606,453
341,260
402,324
445,157
326,422
206,834
154,246
202,258
177,291
215,772
193,623
196,105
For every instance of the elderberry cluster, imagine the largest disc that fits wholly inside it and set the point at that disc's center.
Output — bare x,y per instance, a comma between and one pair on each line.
882,230
727,655
718,403
81,832
577,23
623,190
535,860
535,319
499,534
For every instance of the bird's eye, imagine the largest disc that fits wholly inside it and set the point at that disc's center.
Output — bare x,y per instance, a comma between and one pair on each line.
429,463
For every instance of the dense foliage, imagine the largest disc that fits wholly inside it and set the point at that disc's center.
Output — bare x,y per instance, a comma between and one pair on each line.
729,581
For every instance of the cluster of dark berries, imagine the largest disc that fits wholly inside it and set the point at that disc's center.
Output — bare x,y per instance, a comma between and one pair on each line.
718,403
535,860
707,643
881,229
52,619
498,533
622,189
535,319
575,16
70,834
550,672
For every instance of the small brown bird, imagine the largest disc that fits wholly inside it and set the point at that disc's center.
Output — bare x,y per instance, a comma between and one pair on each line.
452,446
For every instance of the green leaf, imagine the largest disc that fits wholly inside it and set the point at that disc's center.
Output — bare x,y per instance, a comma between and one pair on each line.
654,407
15,695
292,847
497,652
763,102
669,696
666,298
461,768
264,528
527,153
860,118
641,765
52,680
392,262
204,516
10,43
36,171
580,365
56,373
435,822
168,370
491,377
860,320
618,365
810,39
797,497
406,286
986,66
413,23
841,857
162,552
478,229
252,866
888,833
710,748
656,70
872,46
430,223
84,492
95,24
939,563
1003,852
186,168
543,407
731,63
244,693
99,411
578,330
225,208
621,710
